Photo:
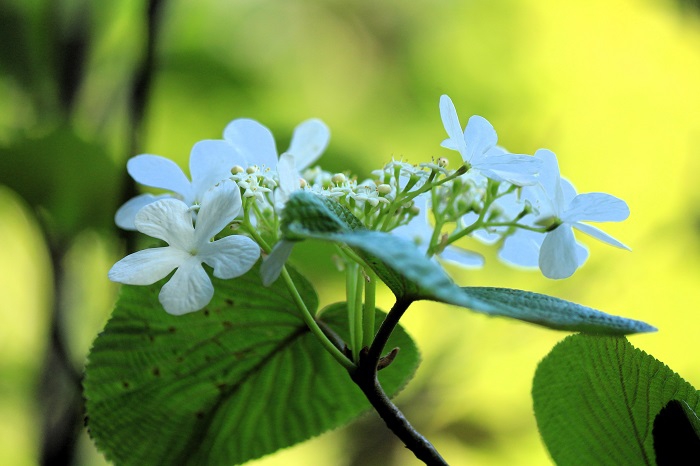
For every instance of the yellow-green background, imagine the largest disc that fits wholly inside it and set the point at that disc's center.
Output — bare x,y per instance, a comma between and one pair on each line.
612,87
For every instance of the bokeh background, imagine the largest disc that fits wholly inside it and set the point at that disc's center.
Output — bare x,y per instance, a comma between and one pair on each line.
611,86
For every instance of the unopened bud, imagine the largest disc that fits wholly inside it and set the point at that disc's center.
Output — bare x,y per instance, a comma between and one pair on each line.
383,189
338,178
252,169
237,169
302,183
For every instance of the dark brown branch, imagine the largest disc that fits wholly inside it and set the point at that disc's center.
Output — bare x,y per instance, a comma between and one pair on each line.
365,377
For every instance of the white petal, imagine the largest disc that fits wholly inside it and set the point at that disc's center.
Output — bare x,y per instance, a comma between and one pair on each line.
480,137
272,265
453,127
188,290
169,220
288,178
599,234
231,256
126,214
158,172
520,170
550,179
596,207
148,266
558,255
522,248
220,205
309,140
462,257
253,141
210,162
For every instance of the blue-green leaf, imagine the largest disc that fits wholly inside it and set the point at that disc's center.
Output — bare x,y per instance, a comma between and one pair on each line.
410,275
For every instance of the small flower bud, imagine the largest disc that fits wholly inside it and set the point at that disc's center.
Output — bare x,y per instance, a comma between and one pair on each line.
338,178
384,189
303,183
252,169
236,170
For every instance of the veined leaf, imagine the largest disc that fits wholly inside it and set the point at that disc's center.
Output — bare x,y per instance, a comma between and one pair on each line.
235,381
596,399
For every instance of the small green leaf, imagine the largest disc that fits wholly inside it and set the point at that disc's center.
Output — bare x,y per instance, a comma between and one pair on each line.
410,275
238,380
596,398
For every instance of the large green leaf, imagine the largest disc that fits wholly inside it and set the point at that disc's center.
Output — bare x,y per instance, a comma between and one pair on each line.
596,399
235,381
410,275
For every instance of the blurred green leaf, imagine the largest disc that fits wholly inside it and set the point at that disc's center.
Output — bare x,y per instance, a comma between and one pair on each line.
596,398
70,181
235,381
410,275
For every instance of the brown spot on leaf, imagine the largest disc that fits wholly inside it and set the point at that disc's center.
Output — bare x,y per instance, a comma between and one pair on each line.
199,414
229,301
206,313
227,324
125,384
156,371
172,329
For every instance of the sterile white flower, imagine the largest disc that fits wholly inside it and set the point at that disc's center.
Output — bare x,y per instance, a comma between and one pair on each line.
256,145
477,145
556,200
210,162
190,288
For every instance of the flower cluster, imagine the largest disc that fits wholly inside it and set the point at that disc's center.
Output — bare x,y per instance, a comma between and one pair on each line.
240,184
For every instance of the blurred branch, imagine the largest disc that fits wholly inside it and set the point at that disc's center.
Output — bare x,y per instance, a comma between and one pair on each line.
60,383
140,92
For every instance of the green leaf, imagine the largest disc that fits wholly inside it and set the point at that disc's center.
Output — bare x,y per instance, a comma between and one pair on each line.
596,398
238,380
552,312
410,275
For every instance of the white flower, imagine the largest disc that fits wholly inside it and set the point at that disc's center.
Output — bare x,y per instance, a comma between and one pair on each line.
477,145
289,180
419,231
190,288
210,162
256,145
559,254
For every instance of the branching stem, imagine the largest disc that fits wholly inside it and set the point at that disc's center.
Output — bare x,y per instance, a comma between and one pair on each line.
365,376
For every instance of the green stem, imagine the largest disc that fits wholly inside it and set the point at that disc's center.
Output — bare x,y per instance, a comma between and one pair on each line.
350,297
313,325
368,313
358,324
